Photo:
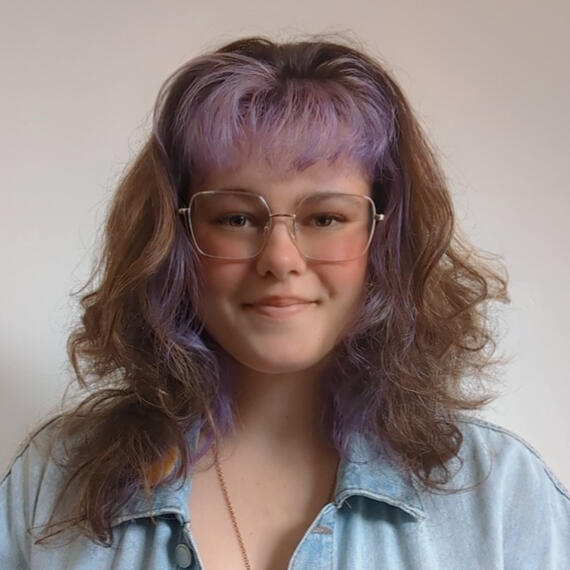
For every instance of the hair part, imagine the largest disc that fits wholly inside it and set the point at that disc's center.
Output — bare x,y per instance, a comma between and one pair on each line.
406,369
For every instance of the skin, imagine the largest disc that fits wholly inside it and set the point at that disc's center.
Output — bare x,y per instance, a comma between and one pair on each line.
282,341
279,354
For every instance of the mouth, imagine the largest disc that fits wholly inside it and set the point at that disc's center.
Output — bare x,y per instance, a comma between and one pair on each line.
280,307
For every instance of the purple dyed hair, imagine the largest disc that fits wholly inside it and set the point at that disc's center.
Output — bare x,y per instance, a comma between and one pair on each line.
399,375
220,107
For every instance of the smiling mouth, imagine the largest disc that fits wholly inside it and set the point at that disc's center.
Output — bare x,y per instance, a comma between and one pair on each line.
280,310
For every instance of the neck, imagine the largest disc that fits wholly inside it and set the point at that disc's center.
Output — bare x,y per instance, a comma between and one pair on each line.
279,409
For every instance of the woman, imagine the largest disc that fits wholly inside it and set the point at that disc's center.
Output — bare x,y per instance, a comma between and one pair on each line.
279,343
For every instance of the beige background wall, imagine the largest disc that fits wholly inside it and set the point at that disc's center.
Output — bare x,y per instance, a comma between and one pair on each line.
490,80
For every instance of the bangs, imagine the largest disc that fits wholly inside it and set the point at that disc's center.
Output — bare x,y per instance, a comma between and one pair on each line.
289,122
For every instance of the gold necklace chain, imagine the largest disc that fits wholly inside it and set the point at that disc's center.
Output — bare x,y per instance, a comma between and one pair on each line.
237,532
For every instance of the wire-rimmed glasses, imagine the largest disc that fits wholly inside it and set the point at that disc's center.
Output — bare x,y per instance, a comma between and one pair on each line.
325,226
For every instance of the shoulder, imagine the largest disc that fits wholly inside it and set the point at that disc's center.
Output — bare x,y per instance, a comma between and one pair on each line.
28,491
502,485
38,452
501,498
495,453
30,484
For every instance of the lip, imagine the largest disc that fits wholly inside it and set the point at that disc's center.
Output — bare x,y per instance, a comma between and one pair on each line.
280,307
280,301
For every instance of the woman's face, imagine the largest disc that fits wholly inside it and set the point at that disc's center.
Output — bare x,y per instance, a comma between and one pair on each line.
279,312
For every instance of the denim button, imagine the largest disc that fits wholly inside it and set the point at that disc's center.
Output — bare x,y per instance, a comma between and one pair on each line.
183,555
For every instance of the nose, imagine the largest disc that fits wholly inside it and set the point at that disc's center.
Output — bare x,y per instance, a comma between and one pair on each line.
280,255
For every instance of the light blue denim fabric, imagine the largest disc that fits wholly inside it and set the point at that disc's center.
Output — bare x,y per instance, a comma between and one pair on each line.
515,515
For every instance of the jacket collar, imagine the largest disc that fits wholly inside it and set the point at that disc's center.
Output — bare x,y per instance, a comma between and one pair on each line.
166,501
367,472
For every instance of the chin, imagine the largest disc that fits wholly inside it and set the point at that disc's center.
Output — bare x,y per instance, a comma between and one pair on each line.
279,363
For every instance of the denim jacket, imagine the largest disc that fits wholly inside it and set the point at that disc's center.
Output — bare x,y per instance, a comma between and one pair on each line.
510,512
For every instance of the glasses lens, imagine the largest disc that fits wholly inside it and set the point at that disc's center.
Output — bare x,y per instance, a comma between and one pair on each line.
334,227
228,224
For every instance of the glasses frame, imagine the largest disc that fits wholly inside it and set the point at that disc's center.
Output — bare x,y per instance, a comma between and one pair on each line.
187,213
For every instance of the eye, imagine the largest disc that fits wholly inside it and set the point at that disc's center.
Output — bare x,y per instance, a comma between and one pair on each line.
324,220
234,220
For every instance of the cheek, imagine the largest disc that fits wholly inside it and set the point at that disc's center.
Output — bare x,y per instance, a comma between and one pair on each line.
219,281
346,281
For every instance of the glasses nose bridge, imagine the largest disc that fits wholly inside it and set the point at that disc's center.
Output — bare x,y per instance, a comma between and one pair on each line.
291,227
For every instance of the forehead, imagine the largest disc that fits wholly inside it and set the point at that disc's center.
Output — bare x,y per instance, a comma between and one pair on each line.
259,176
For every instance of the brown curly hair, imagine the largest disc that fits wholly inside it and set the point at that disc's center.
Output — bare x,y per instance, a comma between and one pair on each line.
423,339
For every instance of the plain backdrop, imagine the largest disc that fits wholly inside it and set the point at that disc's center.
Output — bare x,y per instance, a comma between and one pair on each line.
490,81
